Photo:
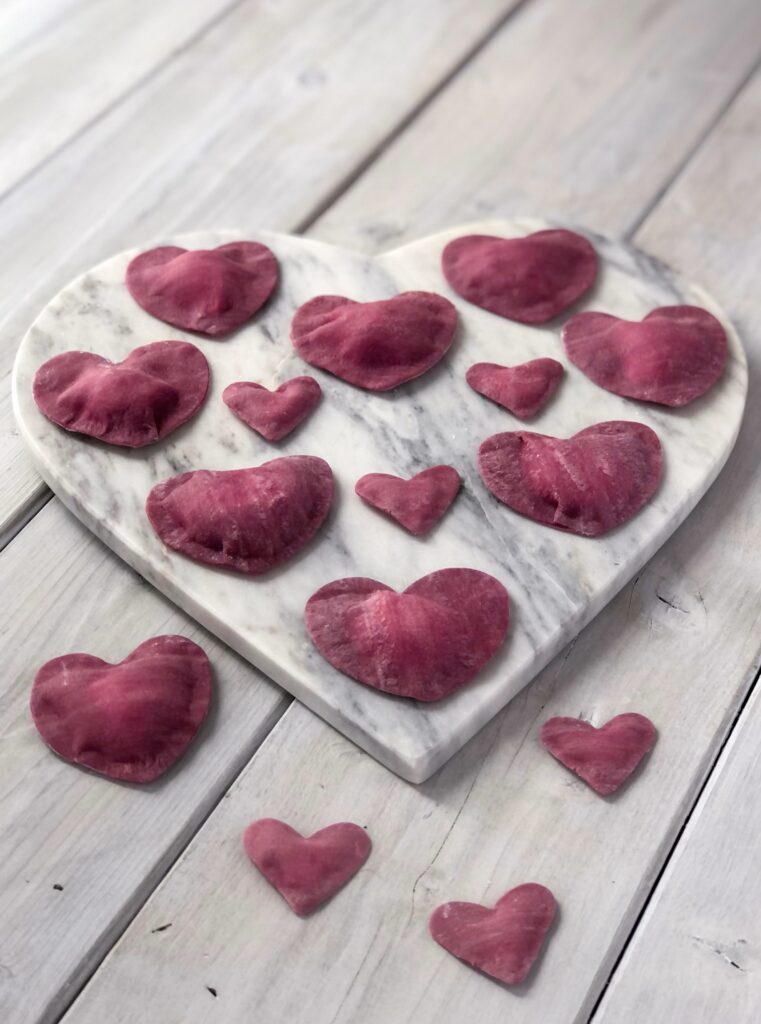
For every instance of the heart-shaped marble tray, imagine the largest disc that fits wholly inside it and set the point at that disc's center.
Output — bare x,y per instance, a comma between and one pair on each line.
557,582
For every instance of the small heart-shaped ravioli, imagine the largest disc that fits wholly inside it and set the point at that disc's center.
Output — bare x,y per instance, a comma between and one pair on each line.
502,941
130,721
248,520
375,345
273,414
530,279
672,357
425,643
211,291
416,504
604,758
136,402
523,390
306,870
587,484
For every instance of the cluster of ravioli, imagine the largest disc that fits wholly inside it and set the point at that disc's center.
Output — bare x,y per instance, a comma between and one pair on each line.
133,720
448,625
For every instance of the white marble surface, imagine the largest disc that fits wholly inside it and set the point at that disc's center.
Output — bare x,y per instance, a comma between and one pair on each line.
557,582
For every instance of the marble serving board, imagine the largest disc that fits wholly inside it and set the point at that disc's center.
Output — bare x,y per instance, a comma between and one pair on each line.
557,582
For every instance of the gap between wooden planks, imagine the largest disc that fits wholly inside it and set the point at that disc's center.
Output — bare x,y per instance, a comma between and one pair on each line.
680,644
248,127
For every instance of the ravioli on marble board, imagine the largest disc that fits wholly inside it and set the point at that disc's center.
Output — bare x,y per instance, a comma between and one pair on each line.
375,345
416,504
248,520
502,941
523,390
273,414
530,280
672,356
307,871
136,402
425,643
210,291
603,757
586,484
130,721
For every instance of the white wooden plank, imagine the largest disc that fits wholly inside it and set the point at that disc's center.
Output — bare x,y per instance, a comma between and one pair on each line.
106,844
64,63
248,128
680,645
703,919
580,117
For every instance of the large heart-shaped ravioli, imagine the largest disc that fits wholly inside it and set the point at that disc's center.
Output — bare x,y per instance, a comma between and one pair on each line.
672,356
419,503
306,870
212,291
425,642
502,941
375,345
135,402
130,721
530,279
523,390
605,757
273,414
586,484
249,520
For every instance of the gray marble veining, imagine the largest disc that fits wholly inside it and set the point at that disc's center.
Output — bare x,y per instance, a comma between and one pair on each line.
557,582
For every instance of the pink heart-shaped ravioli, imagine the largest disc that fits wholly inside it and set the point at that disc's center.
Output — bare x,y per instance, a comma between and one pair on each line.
375,345
503,941
135,402
425,642
586,484
273,414
212,291
130,721
523,390
605,757
530,279
671,357
418,504
306,871
248,520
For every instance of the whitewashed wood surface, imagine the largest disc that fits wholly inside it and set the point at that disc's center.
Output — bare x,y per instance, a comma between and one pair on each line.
587,111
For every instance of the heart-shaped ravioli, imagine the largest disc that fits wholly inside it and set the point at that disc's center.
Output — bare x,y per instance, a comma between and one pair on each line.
130,721
273,414
306,870
417,504
248,520
425,642
604,758
586,484
523,390
671,357
530,279
211,291
375,345
502,941
135,402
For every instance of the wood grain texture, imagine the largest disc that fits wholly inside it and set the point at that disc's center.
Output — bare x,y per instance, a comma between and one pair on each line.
680,645
255,125
106,844
65,63
579,115
702,925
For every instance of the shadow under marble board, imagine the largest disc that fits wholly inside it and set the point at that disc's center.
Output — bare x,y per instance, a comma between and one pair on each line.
557,581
